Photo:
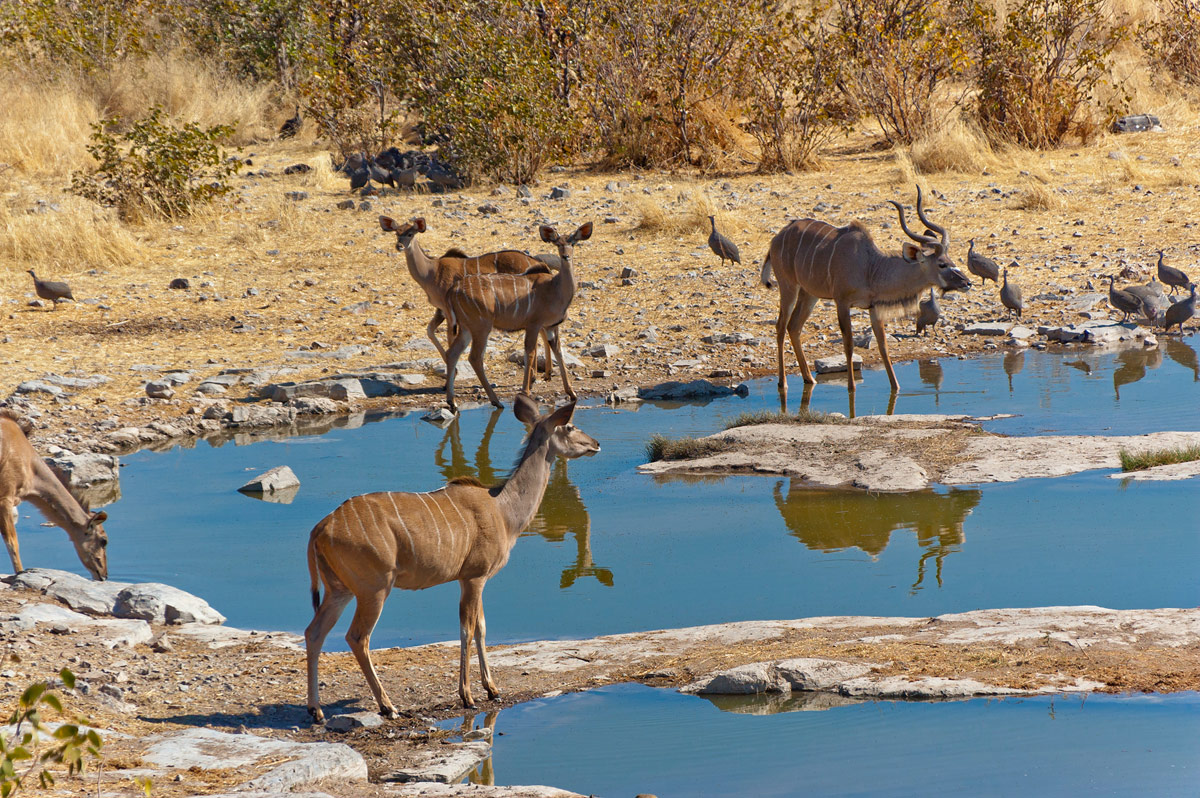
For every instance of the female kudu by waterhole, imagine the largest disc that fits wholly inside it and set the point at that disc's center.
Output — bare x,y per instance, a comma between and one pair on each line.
24,476
463,531
815,260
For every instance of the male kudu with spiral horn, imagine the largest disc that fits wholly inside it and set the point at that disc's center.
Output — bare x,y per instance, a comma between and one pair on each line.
815,260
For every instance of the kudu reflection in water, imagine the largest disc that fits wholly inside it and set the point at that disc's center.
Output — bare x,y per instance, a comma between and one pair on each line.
834,520
562,510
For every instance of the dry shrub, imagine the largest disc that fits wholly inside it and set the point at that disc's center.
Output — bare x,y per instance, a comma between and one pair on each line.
77,236
905,173
688,214
1035,195
955,147
1173,40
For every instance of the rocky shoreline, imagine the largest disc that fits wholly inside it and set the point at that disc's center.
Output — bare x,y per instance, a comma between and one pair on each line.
200,708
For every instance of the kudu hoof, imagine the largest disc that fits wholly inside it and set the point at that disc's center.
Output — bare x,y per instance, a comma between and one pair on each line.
318,717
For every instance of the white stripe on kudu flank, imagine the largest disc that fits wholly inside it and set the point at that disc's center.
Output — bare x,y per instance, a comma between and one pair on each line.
436,529
400,517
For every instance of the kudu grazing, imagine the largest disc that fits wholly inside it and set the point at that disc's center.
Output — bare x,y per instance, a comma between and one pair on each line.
463,531
24,476
533,302
436,275
814,260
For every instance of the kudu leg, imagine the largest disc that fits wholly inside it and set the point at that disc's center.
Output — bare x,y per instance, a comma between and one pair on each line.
556,343
470,610
843,317
452,355
325,618
431,331
8,528
531,342
366,615
485,670
548,370
787,303
877,328
804,308
475,358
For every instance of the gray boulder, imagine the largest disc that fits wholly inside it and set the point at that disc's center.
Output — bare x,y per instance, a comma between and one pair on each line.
696,389
280,478
77,592
163,604
86,469
835,364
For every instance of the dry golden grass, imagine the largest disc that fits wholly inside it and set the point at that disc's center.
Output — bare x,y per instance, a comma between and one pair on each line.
955,147
79,235
45,121
687,214
1035,195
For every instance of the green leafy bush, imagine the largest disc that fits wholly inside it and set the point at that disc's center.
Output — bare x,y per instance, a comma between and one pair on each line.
32,748
155,167
89,36
1039,70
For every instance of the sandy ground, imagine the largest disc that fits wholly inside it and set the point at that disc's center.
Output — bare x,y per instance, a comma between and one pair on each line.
271,275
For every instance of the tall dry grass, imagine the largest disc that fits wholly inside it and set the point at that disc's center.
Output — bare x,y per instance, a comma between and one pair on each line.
954,147
46,116
687,214
76,236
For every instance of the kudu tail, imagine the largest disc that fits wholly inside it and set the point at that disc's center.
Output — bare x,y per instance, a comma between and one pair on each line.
767,280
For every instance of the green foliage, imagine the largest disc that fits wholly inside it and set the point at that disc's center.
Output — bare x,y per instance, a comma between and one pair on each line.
349,60
900,52
1174,39
791,70
1038,71
155,167
258,39
1158,457
89,36
484,74
33,748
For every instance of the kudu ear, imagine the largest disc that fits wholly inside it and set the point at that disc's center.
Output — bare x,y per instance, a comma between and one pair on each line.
561,416
909,250
419,223
582,234
525,409
98,518
388,224
548,234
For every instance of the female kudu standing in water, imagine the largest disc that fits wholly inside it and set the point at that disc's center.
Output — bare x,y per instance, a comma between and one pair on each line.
462,532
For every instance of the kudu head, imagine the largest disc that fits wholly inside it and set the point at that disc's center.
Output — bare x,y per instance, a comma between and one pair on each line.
930,250
564,437
565,245
92,544
404,232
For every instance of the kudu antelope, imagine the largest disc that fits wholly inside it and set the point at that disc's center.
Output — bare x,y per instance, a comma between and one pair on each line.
814,260
24,476
535,302
436,275
462,532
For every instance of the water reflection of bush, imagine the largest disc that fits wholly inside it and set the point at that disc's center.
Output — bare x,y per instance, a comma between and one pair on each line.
562,511
834,520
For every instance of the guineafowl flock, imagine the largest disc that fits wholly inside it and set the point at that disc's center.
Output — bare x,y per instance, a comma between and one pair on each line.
400,170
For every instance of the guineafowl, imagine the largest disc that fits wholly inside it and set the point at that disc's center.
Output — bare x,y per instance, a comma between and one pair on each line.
721,246
1172,276
981,266
929,313
1122,300
52,290
1010,296
291,126
1180,312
